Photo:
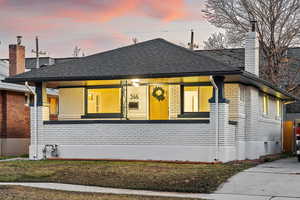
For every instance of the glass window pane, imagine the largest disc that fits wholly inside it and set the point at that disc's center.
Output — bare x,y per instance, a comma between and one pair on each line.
53,106
106,100
204,95
191,99
196,98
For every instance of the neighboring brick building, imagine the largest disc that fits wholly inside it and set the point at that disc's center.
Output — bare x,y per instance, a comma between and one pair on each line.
14,106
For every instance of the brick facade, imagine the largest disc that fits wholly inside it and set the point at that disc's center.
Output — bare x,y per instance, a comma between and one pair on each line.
14,115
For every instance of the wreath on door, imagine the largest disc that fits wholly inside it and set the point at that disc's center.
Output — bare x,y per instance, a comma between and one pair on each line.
158,93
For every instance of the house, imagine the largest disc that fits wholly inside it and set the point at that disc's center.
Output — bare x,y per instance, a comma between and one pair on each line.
14,106
157,101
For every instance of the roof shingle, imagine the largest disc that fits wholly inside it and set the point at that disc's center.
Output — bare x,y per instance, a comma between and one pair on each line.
147,59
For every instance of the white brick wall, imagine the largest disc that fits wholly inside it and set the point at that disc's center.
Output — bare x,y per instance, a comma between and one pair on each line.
167,141
262,133
227,132
127,134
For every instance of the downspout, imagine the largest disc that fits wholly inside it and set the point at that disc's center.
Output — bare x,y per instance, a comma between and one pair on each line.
35,121
217,115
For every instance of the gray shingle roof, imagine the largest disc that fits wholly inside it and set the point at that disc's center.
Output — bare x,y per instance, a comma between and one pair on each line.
147,59
231,57
236,57
15,87
30,63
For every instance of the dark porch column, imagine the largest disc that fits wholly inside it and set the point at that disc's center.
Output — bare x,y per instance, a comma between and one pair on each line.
219,80
39,93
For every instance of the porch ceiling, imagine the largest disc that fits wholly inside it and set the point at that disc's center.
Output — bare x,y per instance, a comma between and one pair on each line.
173,80
245,78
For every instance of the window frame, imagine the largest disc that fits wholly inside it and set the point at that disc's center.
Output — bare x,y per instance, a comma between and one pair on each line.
184,114
102,115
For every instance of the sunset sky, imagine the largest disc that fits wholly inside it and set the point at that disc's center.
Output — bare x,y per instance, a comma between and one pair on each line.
98,25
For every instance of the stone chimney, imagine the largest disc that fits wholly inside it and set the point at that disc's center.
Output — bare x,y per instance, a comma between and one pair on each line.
16,58
252,50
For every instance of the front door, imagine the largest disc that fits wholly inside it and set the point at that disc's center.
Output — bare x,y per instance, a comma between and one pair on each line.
159,102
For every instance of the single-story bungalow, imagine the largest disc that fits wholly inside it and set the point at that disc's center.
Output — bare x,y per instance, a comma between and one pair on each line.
157,101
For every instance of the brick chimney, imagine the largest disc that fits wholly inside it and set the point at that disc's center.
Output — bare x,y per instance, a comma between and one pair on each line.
16,58
252,50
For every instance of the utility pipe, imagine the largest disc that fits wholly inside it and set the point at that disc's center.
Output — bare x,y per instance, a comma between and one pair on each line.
217,115
35,121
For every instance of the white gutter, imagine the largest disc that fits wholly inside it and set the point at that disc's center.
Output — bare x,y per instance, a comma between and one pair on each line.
35,121
217,115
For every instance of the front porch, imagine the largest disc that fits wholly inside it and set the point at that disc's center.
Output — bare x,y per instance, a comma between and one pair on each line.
138,119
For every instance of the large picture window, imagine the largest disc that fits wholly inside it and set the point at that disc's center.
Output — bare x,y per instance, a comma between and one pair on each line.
103,102
196,101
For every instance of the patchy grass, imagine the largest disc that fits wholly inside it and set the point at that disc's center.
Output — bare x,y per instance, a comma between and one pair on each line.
21,193
202,178
271,158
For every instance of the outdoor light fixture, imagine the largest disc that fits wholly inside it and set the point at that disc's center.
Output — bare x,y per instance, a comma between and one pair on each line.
135,82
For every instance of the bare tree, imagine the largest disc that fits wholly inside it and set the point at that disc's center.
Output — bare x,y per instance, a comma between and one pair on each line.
278,27
216,41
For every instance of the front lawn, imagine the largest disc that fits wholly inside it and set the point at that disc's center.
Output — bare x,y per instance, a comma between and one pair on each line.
22,193
202,178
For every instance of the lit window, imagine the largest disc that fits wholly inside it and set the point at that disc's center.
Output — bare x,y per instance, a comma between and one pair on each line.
53,106
104,101
196,98
265,104
278,108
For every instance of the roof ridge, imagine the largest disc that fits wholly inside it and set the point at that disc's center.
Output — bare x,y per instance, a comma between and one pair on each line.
123,47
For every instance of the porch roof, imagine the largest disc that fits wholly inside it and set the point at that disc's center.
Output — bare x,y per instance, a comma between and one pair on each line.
153,58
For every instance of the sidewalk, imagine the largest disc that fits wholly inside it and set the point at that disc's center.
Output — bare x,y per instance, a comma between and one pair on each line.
13,159
103,190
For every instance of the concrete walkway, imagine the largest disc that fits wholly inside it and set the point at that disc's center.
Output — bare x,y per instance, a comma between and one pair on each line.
13,159
277,180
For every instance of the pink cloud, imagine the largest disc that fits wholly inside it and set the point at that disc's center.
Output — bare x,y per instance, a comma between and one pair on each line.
167,10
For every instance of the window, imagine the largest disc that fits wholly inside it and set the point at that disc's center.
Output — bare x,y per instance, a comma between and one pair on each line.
265,105
53,106
27,99
196,98
104,102
278,108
